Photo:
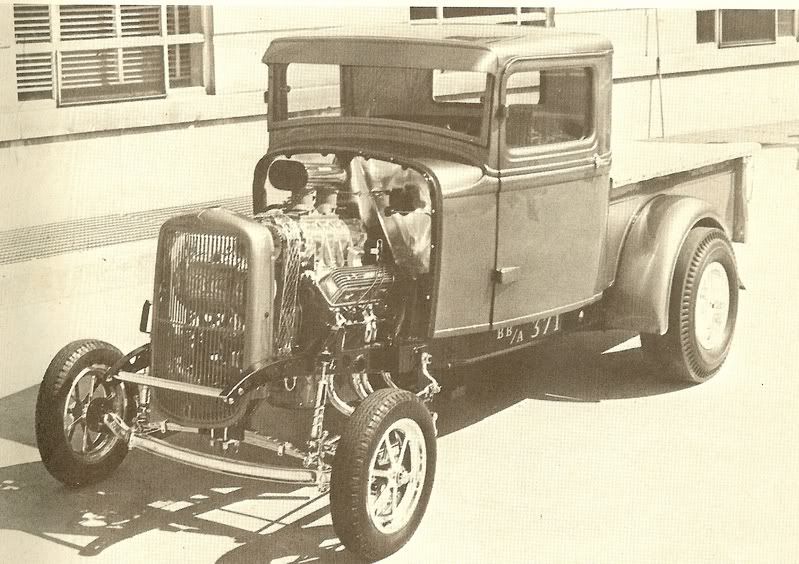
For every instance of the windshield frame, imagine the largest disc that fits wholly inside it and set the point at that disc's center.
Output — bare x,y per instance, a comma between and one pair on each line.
278,115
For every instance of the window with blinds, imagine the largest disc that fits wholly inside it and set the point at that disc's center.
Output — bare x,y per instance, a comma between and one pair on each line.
747,27
735,28
82,54
787,23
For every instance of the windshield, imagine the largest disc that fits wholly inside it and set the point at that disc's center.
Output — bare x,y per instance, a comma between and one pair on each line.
455,101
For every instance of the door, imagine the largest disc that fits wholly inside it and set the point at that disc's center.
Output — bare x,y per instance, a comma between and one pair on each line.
553,199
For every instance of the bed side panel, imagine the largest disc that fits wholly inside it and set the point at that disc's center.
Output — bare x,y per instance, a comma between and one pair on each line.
721,185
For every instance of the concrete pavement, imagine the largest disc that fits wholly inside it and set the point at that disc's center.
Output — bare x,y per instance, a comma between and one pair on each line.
41,241
561,454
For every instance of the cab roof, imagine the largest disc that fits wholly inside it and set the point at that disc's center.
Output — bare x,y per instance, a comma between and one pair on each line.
476,47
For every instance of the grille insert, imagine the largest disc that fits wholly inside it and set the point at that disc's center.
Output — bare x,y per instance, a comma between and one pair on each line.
199,324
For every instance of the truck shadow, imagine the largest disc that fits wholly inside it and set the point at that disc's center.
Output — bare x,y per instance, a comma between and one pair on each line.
150,501
589,367
158,508
150,504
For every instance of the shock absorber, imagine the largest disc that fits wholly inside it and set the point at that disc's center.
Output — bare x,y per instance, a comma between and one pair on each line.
143,407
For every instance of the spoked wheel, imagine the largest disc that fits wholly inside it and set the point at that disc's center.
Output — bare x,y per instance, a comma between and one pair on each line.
383,473
396,476
75,445
703,310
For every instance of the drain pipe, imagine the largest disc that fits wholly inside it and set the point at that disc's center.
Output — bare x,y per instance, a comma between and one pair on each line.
659,73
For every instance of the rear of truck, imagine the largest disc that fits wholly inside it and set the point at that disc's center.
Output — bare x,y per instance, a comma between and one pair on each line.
674,210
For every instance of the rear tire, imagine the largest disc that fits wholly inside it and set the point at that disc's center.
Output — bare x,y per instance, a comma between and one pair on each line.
75,446
702,309
383,473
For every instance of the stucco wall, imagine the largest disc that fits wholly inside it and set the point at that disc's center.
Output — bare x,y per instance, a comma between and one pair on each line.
705,101
50,182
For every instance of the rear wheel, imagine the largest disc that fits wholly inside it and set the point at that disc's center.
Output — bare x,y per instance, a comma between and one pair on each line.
703,309
75,445
383,473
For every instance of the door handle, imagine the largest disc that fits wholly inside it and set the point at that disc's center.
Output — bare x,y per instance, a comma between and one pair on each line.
507,274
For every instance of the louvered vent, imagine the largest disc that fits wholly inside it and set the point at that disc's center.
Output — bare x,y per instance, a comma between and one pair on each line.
86,22
179,65
177,19
31,23
88,69
143,65
84,53
140,20
97,75
35,76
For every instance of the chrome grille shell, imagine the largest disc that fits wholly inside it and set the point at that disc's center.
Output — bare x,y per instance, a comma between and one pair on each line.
212,307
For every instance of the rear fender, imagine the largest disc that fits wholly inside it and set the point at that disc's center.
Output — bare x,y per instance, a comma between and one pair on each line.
639,298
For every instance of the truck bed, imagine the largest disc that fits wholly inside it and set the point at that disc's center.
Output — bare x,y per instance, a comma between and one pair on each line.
638,161
644,170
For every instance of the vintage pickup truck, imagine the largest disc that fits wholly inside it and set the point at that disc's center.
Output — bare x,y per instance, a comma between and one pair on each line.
449,197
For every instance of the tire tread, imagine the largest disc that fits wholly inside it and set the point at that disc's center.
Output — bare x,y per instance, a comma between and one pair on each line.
353,454
675,351
48,423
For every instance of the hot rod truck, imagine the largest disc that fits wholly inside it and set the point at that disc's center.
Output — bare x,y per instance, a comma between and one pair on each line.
448,196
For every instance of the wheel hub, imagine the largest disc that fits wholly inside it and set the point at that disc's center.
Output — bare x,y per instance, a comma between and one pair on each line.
95,411
712,306
396,476
88,400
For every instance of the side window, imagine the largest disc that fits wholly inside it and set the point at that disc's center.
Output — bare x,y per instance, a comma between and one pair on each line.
548,106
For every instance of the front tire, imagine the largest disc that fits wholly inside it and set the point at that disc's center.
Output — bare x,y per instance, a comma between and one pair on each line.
703,309
383,473
75,446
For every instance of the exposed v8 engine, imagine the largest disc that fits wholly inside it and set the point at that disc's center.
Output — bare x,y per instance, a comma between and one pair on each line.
321,259
341,260
338,270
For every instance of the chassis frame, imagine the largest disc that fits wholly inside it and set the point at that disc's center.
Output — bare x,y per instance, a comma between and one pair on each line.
315,469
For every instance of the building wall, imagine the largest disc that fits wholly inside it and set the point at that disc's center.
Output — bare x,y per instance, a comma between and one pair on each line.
63,164
66,163
239,37
705,101
101,175
701,86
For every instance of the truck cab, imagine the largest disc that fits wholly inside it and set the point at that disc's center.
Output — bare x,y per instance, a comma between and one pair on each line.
513,126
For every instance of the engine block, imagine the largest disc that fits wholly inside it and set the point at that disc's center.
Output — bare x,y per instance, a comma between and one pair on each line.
358,285
311,245
324,241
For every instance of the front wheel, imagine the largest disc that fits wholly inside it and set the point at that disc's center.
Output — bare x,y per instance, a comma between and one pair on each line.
383,473
75,445
703,309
